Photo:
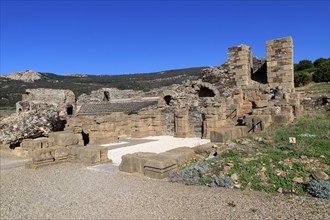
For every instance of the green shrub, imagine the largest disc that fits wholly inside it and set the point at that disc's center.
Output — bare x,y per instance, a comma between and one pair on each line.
303,64
319,61
320,189
193,175
224,181
302,78
322,73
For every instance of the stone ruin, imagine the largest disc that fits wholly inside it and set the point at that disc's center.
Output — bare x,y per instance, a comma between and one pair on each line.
244,95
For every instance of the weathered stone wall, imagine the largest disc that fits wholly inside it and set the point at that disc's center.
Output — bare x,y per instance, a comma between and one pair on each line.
241,63
280,70
62,99
104,129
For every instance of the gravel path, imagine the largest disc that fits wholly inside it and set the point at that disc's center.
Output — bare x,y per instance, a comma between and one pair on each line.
71,191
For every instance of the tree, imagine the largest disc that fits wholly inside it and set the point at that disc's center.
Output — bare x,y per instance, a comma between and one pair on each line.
322,73
302,78
319,61
304,64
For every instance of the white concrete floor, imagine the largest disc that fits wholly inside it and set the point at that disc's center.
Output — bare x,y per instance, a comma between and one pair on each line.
156,144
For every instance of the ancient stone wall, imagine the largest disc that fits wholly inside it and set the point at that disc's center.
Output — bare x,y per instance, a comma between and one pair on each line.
64,100
241,63
280,70
104,129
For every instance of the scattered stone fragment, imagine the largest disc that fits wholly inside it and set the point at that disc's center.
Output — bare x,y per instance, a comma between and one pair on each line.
298,180
320,175
234,177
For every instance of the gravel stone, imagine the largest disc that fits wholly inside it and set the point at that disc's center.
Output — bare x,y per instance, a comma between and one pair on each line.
72,191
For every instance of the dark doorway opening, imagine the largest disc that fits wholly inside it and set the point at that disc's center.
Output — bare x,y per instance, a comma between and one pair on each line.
205,92
260,75
69,110
168,99
85,137
106,97
13,146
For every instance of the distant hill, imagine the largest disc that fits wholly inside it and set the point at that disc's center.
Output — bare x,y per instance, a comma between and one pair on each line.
25,76
12,86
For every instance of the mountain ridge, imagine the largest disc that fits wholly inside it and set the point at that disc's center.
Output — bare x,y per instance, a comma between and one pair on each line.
12,89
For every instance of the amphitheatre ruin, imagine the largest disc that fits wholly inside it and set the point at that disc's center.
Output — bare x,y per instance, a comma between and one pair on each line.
244,95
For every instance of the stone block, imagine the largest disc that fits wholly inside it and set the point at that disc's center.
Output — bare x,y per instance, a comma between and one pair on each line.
42,156
159,166
35,144
60,153
260,103
73,151
281,119
228,133
286,110
101,139
63,138
294,101
89,155
134,163
181,155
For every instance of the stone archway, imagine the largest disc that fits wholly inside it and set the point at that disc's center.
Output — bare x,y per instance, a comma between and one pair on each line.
205,92
205,89
168,99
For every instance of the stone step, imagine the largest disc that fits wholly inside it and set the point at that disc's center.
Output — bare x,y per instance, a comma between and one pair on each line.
228,133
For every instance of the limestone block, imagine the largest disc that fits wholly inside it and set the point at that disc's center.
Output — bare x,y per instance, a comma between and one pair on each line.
282,119
261,103
297,110
104,155
180,155
42,156
60,153
159,166
286,110
89,155
35,144
99,139
275,110
134,163
294,101
63,138
228,133
73,151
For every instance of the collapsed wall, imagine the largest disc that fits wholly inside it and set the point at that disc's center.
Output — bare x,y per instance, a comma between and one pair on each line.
63,100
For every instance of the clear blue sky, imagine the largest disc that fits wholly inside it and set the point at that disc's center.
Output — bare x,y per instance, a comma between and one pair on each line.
115,37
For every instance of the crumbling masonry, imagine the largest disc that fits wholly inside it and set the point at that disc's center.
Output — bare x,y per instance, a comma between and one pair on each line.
243,95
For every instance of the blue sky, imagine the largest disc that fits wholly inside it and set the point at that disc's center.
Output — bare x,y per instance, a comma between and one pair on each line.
118,37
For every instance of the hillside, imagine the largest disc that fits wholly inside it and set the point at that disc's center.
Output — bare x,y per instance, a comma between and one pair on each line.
11,90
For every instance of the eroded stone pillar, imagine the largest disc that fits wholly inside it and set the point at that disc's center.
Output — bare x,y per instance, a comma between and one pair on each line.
241,62
280,70
182,123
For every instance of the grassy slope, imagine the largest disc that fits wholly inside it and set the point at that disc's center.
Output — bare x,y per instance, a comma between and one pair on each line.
273,163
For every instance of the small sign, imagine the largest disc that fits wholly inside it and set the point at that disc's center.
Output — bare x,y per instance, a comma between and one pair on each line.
292,140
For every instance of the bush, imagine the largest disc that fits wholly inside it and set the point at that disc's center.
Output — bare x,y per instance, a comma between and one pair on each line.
193,175
302,78
319,61
224,181
319,189
303,64
322,73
